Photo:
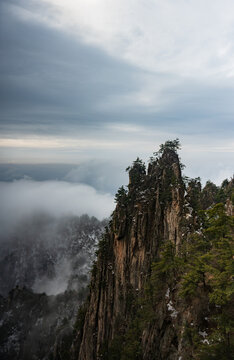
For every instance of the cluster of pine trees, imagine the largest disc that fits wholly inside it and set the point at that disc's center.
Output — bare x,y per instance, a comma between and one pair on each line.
203,267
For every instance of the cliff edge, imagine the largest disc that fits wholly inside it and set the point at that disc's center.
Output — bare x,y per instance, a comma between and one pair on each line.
138,307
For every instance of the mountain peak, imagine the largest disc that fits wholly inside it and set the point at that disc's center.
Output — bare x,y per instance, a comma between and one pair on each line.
135,308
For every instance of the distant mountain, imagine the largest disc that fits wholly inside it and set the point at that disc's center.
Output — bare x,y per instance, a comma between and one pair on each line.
34,326
48,254
44,256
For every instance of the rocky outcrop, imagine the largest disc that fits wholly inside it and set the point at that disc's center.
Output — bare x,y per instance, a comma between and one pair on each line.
150,213
157,290
161,287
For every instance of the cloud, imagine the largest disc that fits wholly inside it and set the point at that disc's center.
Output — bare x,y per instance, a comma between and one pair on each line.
186,38
20,199
57,284
208,158
103,176
108,81
49,77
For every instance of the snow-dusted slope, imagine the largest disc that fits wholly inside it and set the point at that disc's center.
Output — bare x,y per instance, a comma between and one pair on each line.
49,255
52,257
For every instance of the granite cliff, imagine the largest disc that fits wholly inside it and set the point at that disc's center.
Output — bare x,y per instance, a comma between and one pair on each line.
138,307
161,284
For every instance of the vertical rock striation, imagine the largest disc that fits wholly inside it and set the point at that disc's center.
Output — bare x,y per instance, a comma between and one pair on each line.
150,213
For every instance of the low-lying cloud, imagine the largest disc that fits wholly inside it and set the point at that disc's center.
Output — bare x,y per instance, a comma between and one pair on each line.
22,198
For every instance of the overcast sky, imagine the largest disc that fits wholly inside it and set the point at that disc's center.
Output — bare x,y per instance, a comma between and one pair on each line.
89,81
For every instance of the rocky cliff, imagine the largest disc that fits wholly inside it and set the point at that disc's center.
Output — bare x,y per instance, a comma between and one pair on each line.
135,309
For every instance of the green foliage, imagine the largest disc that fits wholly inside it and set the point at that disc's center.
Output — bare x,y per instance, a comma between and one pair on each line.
210,266
191,281
173,145
152,160
232,198
142,308
203,266
136,171
121,196
220,342
103,247
215,351
219,224
137,165
204,262
212,194
194,193
80,319
210,257
112,351
127,346
209,195
168,267
132,349
225,191
115,350
191,336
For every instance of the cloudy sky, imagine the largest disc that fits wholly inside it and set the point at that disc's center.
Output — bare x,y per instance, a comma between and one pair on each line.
94,83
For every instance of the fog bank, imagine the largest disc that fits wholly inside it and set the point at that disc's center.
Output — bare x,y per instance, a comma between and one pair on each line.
21,198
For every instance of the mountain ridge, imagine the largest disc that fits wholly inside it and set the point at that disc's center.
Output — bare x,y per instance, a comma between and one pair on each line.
161,283
155,218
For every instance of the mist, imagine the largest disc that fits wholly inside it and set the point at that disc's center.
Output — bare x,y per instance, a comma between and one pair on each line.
21,198
47,243
48,254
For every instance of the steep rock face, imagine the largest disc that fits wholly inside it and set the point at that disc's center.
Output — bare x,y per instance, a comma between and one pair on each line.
149,214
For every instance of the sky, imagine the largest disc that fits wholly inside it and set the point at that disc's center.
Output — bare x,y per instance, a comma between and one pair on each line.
89,85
